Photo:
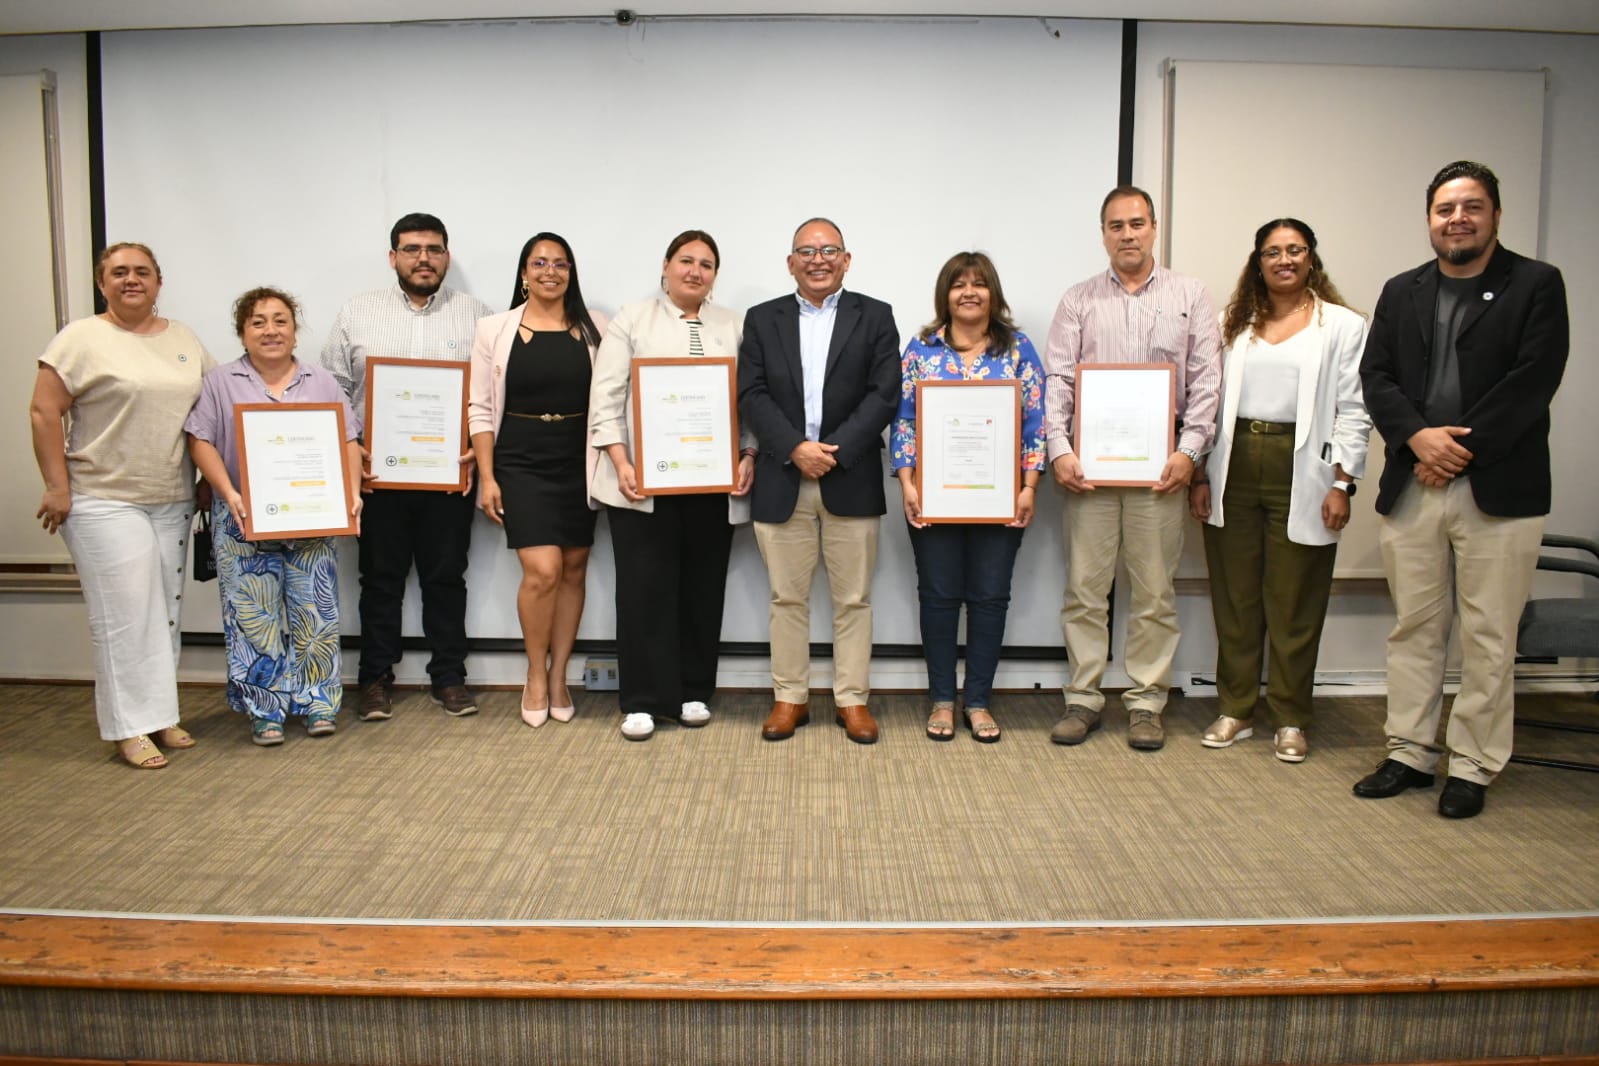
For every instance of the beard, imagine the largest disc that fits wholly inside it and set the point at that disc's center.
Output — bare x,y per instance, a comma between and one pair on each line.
1464,253
419,288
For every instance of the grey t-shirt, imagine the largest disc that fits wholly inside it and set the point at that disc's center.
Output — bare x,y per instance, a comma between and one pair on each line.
1443,405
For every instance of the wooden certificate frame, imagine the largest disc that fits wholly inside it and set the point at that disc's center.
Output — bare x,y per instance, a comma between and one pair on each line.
416,426
968,450
1125,421
685,425
289,453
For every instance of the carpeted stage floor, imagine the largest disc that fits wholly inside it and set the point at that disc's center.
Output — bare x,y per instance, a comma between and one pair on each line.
484,819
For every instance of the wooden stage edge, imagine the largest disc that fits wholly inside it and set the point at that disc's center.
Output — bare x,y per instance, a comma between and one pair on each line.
777,962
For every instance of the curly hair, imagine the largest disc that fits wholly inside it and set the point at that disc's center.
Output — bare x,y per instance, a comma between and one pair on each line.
1001,330
244,306
1251,303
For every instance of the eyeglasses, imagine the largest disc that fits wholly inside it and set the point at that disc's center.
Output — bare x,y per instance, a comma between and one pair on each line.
1293,251
560,266
828,252
418,251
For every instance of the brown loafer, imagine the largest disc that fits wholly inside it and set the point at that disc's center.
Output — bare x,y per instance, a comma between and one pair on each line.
858,724
784,719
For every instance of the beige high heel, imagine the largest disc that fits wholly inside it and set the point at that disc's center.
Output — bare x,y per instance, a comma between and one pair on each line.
534,717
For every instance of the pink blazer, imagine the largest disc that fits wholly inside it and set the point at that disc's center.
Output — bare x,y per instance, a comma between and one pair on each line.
491,350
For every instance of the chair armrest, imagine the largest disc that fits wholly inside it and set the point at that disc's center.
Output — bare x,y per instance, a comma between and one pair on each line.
1560,540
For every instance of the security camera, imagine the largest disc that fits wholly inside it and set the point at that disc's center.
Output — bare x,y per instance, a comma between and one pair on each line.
624,17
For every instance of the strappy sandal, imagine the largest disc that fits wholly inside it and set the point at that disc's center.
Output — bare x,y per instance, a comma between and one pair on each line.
941,723
266,732
174,736
141,753
982,732
320,725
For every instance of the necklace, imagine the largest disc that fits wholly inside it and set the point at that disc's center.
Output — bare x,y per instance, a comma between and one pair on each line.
1288,314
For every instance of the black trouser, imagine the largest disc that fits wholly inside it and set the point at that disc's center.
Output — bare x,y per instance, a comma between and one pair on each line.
433,530
671,576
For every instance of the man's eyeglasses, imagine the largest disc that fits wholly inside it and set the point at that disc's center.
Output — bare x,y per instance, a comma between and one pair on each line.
417,251
560,266
1293,251
828,252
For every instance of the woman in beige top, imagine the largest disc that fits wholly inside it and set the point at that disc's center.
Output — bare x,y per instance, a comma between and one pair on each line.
671,550
119,488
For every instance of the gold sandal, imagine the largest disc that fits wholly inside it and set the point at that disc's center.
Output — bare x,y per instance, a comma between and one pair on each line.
941,723
174,736
141,753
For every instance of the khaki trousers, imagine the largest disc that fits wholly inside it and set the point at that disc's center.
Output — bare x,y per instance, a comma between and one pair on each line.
848,549
1445,558
1098,526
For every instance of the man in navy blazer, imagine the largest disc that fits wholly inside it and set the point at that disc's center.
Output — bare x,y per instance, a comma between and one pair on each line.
818,382
1463,358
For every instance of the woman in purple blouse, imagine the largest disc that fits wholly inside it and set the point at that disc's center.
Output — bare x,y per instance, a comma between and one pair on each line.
971,338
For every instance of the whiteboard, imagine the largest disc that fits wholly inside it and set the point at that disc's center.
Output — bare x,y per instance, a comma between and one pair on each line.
283,155
1349,150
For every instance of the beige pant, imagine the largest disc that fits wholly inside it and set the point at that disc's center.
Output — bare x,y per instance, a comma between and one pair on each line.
1443,558
848,548
1145,529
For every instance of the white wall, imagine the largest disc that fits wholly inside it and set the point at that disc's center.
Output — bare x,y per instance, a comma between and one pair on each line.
46,634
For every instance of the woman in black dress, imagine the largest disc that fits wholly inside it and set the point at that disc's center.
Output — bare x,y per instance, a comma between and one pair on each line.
529,422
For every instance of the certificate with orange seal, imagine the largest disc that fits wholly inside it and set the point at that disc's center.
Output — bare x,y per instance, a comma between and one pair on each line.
416,423
685,420
293,470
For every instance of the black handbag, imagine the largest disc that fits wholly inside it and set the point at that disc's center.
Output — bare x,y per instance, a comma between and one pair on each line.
204,567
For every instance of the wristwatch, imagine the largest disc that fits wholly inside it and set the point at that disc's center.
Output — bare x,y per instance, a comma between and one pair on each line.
1348,487
1193,456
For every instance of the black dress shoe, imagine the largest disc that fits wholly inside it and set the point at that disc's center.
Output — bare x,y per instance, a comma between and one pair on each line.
1461,798
1390,779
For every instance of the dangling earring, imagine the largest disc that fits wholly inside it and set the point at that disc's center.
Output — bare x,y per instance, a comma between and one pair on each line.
524,288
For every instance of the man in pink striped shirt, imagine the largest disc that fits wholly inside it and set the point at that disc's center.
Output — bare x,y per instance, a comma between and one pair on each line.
1135,312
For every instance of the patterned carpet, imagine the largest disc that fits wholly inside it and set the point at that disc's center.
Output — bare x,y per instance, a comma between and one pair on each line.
482,818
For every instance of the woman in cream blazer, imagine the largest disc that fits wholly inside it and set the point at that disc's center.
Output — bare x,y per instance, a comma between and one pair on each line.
535,474
671,550
1291,436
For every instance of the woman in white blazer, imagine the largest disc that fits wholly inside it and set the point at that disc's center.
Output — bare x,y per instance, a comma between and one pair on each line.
671,550
1274,492
532,368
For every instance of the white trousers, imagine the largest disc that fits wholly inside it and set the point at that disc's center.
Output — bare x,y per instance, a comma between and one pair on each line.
130,561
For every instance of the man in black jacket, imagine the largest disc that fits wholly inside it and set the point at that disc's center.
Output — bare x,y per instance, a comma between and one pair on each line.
818,382
1463,358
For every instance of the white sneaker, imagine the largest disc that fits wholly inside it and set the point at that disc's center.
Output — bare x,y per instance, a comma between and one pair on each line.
638,726
696,713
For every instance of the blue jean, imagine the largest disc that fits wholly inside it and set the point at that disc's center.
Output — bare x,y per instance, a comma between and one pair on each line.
971,565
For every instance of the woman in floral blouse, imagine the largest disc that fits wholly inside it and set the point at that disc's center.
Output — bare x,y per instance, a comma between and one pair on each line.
971,338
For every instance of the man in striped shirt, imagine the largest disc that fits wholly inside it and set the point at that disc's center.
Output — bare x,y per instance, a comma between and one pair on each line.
417,317
1135,312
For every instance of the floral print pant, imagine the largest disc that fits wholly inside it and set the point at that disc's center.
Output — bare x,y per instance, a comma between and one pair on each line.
280,618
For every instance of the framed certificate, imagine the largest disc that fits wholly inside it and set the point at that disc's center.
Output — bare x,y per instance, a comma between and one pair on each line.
968,450
686,425
293,470
1125,421
416,423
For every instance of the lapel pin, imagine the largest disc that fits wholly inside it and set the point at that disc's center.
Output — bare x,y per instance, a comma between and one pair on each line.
1487,296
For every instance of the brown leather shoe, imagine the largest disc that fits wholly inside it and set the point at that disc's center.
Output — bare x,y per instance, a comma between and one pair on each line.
858,724
784,719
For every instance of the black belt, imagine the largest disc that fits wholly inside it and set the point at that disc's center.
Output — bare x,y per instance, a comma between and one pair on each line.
548,418
1255,425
